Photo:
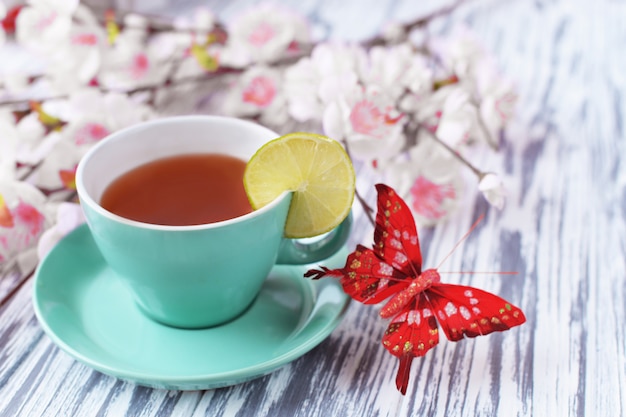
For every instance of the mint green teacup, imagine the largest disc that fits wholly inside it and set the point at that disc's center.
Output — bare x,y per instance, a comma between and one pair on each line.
191,276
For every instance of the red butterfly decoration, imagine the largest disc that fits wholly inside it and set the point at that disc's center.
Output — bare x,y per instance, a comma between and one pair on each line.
393,268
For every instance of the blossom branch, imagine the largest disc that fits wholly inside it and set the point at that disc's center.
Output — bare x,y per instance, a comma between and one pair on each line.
417,23
453,152
367,209
488,183
374,96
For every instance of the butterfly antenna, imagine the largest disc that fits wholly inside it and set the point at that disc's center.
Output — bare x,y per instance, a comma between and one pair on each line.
482,216
480,272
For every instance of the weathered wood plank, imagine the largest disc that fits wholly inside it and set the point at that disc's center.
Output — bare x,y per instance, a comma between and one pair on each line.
563,230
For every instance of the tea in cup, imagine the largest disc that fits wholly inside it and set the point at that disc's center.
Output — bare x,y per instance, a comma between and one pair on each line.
165,204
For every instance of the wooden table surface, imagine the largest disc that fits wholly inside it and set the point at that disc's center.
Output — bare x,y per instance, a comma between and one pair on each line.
563,229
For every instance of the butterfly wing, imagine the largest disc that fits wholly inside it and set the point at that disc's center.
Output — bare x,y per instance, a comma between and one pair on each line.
469,312
372,275
365,277
461,311
411,333
395,234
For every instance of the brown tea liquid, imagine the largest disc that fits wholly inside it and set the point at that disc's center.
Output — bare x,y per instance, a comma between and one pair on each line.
180,190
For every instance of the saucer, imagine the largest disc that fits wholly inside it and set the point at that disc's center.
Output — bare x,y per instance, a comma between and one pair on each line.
85,309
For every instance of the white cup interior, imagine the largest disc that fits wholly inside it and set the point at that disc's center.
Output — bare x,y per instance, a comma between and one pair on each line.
145,142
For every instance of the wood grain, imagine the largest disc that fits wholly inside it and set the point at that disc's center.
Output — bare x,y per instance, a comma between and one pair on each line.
563,229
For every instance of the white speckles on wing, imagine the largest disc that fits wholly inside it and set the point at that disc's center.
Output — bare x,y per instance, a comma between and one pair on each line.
400,258
450,309
465,312
402,317
385,269
414,317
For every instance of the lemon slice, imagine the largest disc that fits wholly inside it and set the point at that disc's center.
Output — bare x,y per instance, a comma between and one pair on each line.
318,171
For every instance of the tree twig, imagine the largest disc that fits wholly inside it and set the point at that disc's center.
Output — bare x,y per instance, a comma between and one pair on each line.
419,22
369,211
454,153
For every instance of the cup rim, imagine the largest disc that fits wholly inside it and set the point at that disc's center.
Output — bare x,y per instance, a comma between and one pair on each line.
85,197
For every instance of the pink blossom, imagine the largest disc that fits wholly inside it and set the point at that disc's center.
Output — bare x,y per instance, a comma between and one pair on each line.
46,20
132,62
90,116
75,62
428,198
29,217
90,133
367,119
255,93
45,25
428,178
25,205
263,34
84,39
139,66
260,91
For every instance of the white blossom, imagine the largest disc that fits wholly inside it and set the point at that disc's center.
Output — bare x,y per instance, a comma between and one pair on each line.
263,34
493,189
77,63
460,52
313,82
23,218
44,25
396,69
367,97
429,179
130,63
32,145
68,217
458,116
257,92
497,98
367,119
90,116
